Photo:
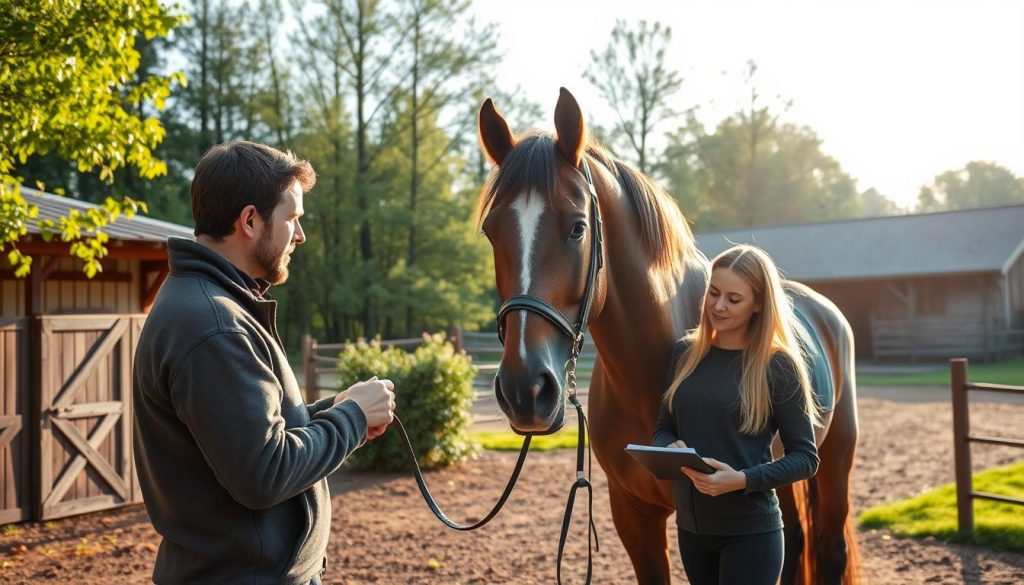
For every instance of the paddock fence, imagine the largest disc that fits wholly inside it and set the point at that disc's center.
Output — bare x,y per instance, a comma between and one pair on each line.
962,439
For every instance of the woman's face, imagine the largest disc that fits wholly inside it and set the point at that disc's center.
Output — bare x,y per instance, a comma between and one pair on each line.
730,302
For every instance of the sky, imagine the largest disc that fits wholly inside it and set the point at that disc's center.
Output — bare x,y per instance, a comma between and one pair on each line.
898,90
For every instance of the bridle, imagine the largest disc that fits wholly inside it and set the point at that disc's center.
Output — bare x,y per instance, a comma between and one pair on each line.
525,302
575,331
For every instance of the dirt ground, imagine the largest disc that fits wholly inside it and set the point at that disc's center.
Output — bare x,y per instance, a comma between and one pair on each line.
383,532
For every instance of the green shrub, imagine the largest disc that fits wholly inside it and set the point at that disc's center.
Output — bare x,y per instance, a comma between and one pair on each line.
433,394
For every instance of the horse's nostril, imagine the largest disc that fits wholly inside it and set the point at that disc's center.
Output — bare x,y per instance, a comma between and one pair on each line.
546,394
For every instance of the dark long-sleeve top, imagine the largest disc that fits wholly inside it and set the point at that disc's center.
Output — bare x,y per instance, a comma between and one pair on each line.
706,415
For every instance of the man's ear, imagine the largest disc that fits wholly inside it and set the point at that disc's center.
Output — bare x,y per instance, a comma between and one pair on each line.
248,220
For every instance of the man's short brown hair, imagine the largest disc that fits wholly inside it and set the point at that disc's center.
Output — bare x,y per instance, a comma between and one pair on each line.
235,174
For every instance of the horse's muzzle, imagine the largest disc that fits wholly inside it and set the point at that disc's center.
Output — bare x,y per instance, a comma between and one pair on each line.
534,404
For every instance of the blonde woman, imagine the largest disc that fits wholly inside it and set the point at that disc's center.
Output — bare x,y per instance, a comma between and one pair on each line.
739,378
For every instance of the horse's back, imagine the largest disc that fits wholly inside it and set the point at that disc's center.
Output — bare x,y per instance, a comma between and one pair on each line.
833,331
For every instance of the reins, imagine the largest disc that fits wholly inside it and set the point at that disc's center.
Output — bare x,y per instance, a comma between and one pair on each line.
525,302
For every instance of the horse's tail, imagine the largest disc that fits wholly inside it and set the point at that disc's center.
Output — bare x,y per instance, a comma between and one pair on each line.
805,493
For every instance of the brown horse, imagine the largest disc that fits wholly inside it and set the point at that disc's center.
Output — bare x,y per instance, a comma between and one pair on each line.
535,210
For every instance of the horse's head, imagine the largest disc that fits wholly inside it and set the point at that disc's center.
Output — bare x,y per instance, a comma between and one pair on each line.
540,215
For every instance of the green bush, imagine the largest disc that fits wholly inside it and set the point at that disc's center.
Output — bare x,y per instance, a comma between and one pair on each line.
433,394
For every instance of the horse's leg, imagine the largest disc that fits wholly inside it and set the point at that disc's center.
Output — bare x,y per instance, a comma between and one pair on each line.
833,483
793,530
641,528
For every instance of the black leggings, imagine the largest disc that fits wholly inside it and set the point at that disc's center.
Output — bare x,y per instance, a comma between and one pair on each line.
748,559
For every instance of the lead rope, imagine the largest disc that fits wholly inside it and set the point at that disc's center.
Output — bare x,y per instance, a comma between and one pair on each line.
593,544
432,504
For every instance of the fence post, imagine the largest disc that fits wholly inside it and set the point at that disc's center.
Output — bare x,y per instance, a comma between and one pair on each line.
455,336
309,366
961,446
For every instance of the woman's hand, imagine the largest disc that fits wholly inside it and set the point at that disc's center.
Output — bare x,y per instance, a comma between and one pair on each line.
677,444
724,480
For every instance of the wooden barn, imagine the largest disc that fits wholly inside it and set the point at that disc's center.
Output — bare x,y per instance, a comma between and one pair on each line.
929,286
66,344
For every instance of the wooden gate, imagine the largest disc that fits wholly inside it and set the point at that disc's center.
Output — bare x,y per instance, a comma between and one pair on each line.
15,443
84,413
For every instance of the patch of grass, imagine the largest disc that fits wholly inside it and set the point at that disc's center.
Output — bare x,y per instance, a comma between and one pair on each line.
509,441
1008,372
933,513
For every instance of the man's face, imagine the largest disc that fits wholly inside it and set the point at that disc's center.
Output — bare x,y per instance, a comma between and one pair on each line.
281,233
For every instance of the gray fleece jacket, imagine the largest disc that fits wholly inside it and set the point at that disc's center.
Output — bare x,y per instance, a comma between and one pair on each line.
231,462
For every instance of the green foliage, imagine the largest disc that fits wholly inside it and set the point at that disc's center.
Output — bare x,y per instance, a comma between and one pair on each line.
753,170
68,87
996,524
433,394
876,204
978,184
566,438
1009,372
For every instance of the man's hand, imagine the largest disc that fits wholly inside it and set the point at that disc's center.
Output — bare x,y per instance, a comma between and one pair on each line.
724,480
680,444
376,398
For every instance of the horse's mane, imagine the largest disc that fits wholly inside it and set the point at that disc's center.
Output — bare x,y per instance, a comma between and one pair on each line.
530,167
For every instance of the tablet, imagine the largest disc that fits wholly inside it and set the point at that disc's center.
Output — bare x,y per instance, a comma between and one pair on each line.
664,462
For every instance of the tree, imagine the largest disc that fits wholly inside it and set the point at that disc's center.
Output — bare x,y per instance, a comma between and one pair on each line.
448,57
728,179
66,72
359,43
874,204
632,76
978,184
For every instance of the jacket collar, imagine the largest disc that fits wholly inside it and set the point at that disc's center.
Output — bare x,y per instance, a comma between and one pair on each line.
188,257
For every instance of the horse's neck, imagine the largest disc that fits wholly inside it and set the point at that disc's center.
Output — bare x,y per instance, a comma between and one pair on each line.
639,325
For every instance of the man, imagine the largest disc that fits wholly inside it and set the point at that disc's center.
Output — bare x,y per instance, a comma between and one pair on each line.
231,463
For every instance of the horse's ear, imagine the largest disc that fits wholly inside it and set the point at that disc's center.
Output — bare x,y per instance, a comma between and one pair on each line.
495,136
572,133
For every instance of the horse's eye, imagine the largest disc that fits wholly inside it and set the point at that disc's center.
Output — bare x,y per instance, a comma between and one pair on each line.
578,231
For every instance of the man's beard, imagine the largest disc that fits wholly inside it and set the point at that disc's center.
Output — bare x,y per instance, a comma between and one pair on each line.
273,263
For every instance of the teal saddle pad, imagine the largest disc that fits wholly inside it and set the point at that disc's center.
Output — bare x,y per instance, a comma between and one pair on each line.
817,365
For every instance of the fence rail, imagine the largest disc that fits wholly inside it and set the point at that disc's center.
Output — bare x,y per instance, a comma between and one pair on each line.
940,337
320,360
962,439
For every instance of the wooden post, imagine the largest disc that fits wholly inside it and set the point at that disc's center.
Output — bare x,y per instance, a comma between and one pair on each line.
455,335
961,446
309,366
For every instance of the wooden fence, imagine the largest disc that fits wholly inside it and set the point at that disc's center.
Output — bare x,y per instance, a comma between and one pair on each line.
962,438
320,360
941,337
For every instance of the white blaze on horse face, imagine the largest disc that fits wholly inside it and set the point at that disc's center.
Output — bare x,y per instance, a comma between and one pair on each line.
528,208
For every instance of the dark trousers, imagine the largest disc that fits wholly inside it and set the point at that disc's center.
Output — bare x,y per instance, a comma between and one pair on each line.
747,559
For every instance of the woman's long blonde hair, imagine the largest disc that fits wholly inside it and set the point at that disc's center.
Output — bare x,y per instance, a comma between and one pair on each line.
771,331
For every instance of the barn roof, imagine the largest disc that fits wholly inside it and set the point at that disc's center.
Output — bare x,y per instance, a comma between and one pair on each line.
951,242
138,228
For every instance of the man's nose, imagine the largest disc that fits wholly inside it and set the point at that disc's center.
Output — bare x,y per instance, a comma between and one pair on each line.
300,235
